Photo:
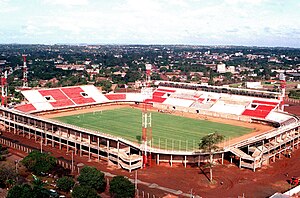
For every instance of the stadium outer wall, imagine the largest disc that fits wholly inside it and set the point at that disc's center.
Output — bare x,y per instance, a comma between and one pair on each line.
128,155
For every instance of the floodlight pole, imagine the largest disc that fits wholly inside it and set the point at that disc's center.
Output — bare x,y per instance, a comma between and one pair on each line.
146,135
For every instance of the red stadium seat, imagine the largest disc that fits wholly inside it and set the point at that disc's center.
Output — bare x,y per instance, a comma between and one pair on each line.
116,96
56,98
158,94
156,100
77,95
26,108
261,111
265,102
166,90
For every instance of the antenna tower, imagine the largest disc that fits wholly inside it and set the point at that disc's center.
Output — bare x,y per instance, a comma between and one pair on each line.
148,74
25,72
282,87
4,88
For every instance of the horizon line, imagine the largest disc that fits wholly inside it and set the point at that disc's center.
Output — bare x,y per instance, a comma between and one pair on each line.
139,44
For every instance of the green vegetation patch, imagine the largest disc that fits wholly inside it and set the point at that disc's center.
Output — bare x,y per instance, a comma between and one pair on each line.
168,131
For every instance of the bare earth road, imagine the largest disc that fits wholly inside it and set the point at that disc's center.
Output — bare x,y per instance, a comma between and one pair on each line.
235,182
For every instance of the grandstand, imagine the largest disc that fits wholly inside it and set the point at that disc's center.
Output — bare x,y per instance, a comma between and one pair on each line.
221,102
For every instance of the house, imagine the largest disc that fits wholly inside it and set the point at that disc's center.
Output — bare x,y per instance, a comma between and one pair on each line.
70,67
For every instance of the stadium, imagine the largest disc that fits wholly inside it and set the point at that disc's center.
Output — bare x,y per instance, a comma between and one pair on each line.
161,124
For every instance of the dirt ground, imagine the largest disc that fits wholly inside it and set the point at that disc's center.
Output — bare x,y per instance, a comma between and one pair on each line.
230,181
292,106
293,109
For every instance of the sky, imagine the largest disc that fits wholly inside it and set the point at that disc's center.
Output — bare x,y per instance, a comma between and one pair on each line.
273,23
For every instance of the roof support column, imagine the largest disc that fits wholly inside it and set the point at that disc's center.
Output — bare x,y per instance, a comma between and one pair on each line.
46,142
118,147
59,138
52,131
75,141
34,131
129,163
9,122
107,149
89,137
222,162
80,139
15,124
98,146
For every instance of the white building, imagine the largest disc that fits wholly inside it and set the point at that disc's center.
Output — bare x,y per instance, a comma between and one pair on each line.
253,85
231,69
221,68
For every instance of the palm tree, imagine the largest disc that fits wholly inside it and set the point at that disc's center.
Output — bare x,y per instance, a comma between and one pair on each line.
209,143
38,187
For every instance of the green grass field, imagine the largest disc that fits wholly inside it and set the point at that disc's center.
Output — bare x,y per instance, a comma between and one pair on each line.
168,131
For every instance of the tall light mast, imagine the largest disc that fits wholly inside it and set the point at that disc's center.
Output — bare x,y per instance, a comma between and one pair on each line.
25,72
282,87
4,89
147,123
146,135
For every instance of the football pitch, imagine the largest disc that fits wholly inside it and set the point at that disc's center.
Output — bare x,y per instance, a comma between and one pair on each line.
168,131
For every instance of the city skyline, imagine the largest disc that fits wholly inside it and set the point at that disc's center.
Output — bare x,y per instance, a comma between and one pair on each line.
192,22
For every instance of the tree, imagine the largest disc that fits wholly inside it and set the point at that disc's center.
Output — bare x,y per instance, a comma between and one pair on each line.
121,187
228,75
105,84
3,152
295,94
39,162
38,190
132,76
27,191
7,175
209,143
155,76
65,183
163,69
84,192
20,191
90,176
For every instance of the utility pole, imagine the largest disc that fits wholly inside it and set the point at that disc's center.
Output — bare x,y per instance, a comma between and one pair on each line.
72,158
192,196
16,163
135,181
136,185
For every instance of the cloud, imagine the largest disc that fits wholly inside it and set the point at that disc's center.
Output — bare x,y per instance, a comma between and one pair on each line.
3,1
151,21
8,9
5,7
234,30
253,2
67,2
30,28
181,3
